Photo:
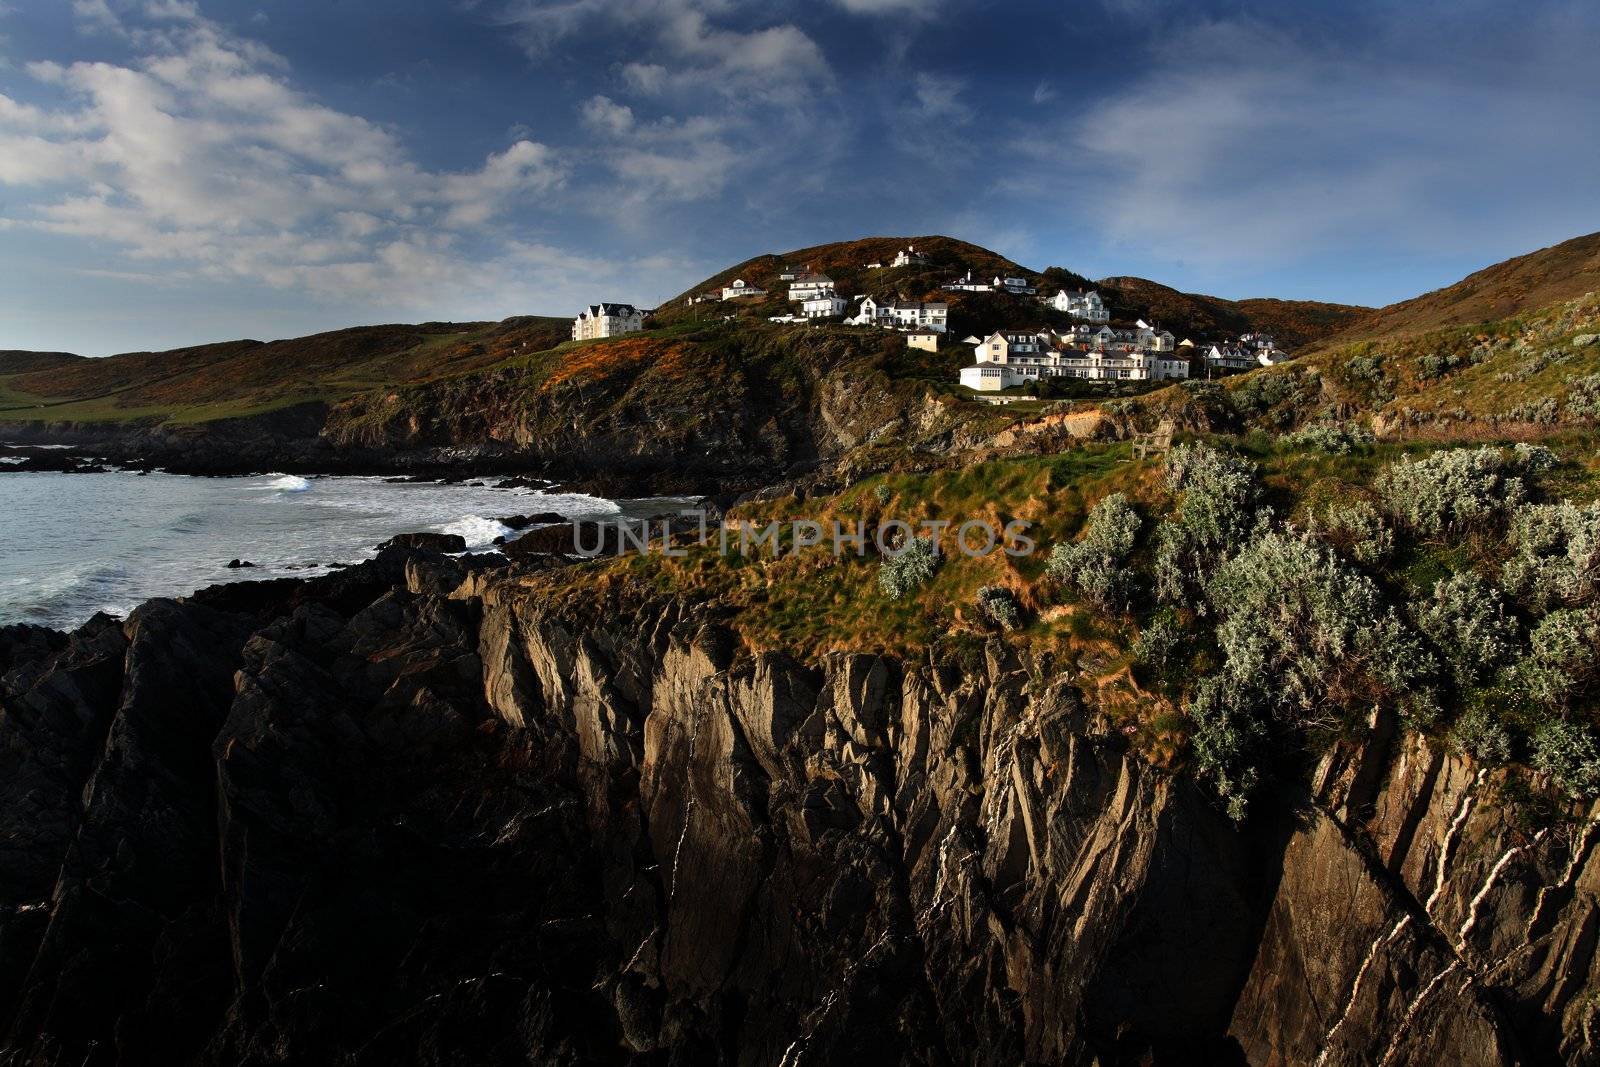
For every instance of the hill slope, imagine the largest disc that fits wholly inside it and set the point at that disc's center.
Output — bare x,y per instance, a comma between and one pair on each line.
1524,283
1294,323
237,378
14,361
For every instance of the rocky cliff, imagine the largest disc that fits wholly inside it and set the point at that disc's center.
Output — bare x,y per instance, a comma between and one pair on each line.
412,813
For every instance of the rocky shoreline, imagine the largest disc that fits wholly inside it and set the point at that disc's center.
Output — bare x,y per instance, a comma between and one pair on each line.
410,812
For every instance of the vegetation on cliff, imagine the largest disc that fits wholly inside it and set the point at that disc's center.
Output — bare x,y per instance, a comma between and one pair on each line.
1237,603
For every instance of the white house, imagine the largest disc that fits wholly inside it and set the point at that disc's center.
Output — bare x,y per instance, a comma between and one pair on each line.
607,320
805,286
926,340
1081,304
740,288
902,315
986,377
789,274
869,313
1226,357
968,284
910,257
1015,286
918,315
823,305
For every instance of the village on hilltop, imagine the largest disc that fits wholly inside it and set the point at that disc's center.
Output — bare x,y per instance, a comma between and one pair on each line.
1092,349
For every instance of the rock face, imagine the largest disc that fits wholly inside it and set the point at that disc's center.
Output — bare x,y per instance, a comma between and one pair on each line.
408,813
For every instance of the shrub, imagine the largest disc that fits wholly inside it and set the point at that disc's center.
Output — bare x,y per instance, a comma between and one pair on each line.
1357,532
1452,490
1094,565
1229,738
1479,735
1292,613
1215,513
1158,641
1583,398
1368,369
1562,658
882,493
1534,458
1567,752
902,574
1466,621
999,606
1335,438
1556,557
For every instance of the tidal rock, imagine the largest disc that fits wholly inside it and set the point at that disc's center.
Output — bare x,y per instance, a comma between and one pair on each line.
541,518
435,542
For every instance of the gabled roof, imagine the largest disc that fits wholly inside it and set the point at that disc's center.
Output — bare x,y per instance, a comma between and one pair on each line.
605,310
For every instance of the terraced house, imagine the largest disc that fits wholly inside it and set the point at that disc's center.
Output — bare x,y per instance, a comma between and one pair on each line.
1006,359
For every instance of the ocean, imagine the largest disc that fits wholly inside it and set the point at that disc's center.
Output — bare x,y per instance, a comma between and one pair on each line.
75,544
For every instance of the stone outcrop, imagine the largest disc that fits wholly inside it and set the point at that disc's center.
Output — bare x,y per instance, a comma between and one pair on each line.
411,813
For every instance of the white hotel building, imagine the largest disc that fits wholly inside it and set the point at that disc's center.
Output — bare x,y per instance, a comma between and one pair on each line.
607,320
1003,360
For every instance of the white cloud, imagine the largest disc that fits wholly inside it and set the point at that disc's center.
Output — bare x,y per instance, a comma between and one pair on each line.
204,156
680,46
604,115
708,94
96,16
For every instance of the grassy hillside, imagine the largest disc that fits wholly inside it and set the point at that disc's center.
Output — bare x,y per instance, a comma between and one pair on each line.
1429,374
713,396
1295,323
249,377
19,362
1530,375
1202,317
1525,283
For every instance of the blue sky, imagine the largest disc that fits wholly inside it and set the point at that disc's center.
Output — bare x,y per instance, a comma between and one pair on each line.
179,171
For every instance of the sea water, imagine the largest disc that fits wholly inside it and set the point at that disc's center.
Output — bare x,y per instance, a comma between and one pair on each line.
75,544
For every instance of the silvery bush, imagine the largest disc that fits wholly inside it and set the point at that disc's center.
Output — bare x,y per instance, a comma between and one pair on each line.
1216,514
1095,565
1466,620
903,574
1453,490
1556,555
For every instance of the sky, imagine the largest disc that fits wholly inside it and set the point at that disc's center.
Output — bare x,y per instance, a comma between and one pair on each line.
174,172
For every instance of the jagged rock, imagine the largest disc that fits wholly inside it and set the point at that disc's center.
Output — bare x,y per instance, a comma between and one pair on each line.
410,813
580,538
522,522
434,542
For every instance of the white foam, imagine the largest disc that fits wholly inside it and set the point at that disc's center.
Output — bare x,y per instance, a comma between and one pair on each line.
476,530
289,483
571,503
